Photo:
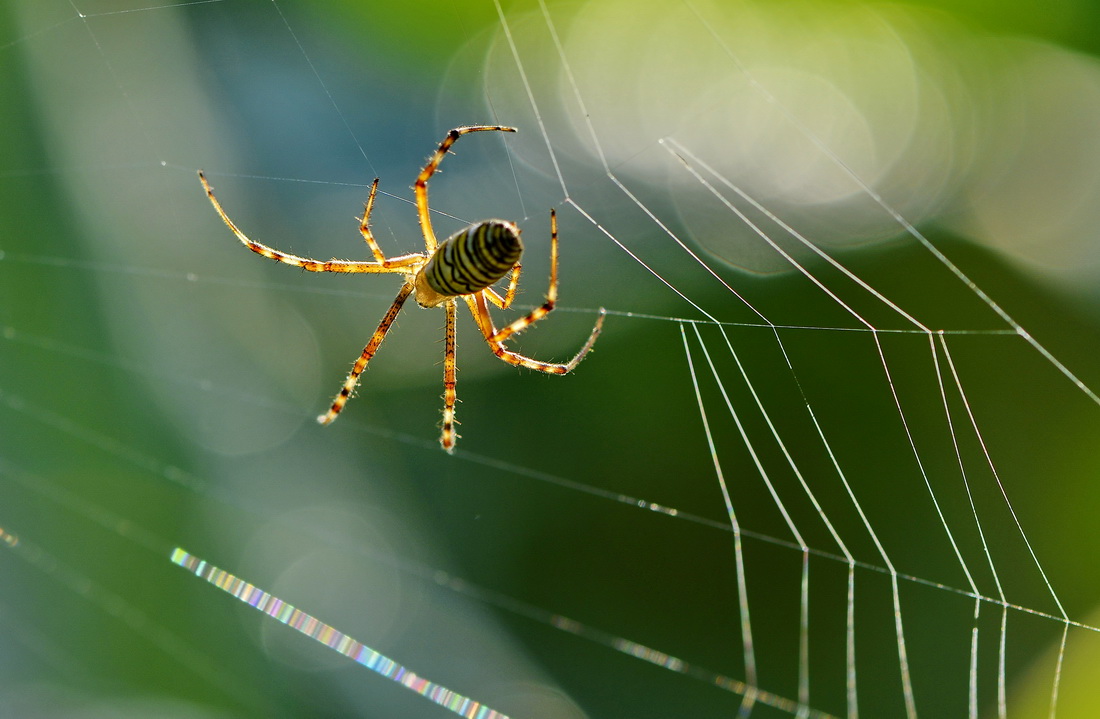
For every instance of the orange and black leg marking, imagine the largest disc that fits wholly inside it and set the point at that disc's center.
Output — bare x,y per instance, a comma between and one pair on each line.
509,294
448,437
421,186
364,358
398,264
551,295
480,310
495,338
364,224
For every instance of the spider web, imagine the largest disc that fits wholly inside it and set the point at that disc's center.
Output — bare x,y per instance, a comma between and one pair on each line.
829,458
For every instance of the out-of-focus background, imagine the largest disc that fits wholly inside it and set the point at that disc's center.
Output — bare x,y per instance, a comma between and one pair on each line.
835,454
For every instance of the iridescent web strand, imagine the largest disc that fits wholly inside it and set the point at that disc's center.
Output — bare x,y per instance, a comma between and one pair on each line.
333,639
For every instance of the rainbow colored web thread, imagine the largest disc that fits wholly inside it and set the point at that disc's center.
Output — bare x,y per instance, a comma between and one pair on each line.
330,637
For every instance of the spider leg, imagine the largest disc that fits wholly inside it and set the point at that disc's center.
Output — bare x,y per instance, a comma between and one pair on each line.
364,224
368,352
398,264
480,310
421,186
551,294
448,437
551,300
509,295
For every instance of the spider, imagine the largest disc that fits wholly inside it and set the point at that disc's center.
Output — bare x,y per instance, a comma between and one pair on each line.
463,266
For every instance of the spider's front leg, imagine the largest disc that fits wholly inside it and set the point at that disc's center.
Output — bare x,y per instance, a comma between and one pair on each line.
396,265
421,186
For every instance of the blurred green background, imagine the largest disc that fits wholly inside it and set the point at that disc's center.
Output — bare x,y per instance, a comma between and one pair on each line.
158,382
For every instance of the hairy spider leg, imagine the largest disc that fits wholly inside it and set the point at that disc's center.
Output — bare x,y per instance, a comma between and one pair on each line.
364,224
448,437
509,294
480,310
403,264
421,186
368,352
495,338
551,294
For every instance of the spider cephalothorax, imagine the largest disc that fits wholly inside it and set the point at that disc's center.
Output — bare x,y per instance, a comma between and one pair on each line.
463,266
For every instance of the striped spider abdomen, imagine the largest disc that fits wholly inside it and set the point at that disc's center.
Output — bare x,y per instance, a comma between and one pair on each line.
469,261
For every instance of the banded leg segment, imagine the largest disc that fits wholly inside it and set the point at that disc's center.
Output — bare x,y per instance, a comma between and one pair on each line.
364,224
495,338
510,294
402,264
551,294
368,352
421,186
480,310
448,437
